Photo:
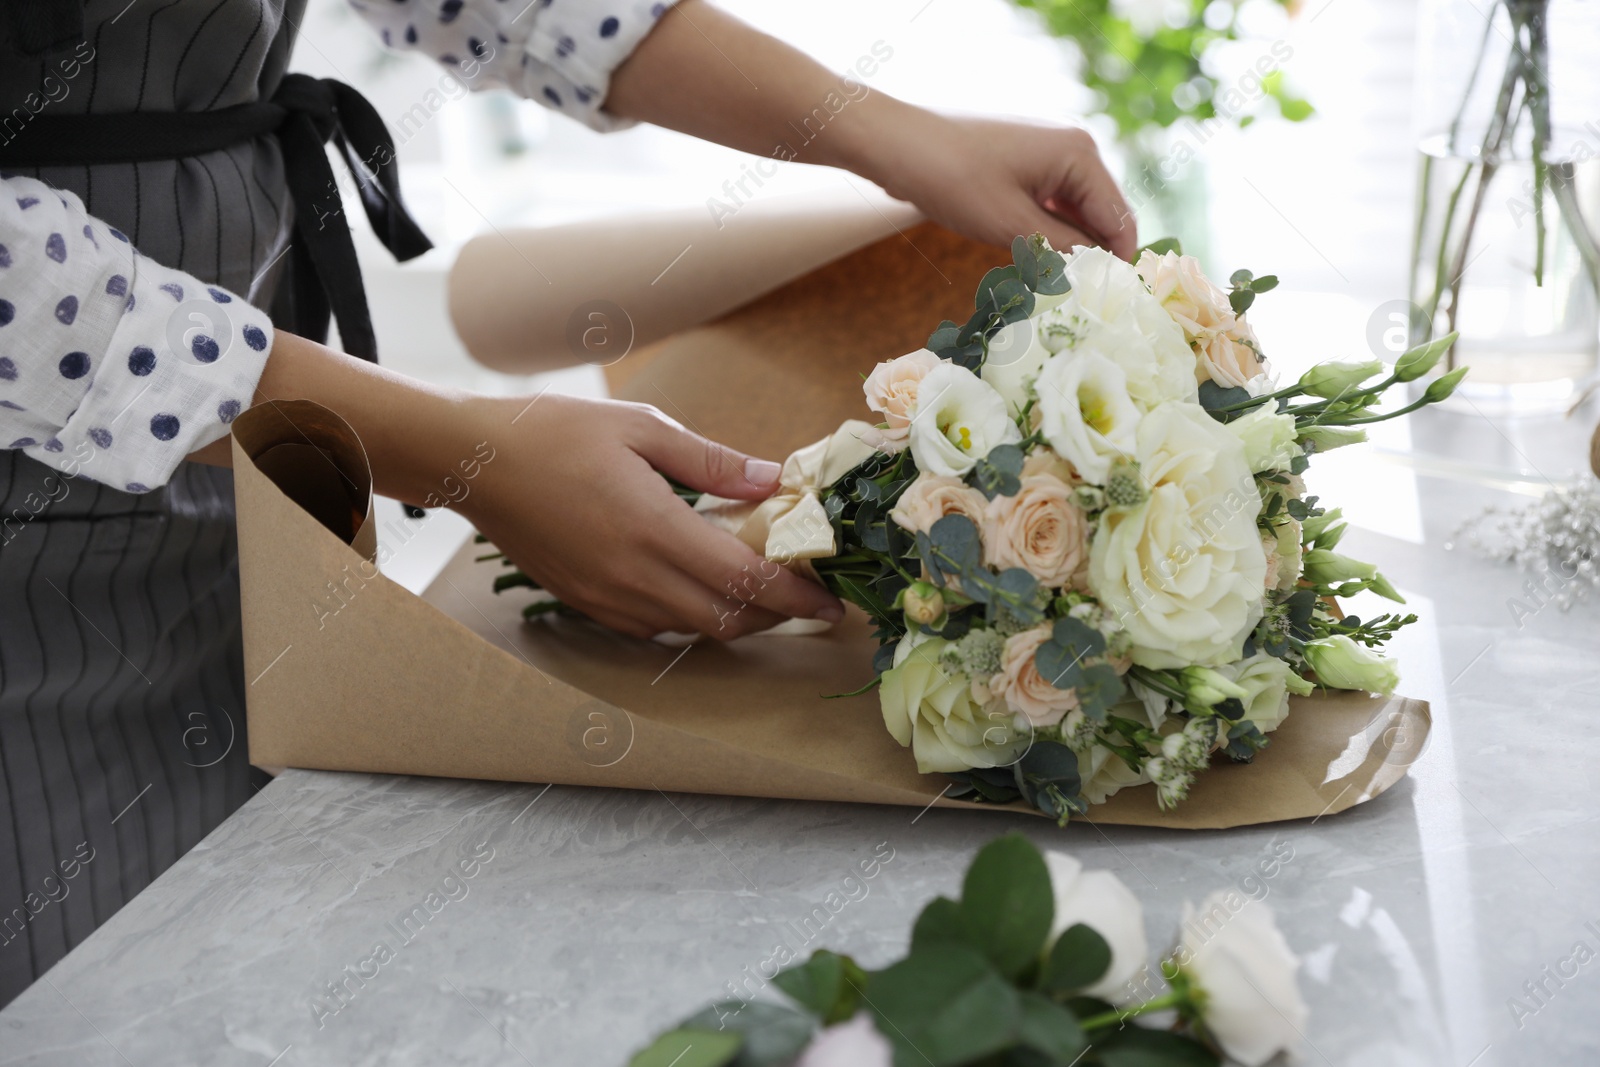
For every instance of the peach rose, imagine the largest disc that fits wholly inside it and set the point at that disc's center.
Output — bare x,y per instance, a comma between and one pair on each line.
931,497
1023,689
1191,298
891,391
1041,529
1228,359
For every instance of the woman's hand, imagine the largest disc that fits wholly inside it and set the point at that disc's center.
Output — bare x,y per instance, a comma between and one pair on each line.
993,179
573,497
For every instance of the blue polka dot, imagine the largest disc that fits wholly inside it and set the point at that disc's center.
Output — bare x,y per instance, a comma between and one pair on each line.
54,445
219,296
129,305
411,35
141,361
5,256
174,290
608,28
137,487
204,348
552,96
583,95
25,202
449,60
117,285
118,234
255,337
449,10
101,438
564,46
475,46
657,10
74,365
8,369
387,39
8,311
67,310
23,442
55,246
12,405
164,427
228,410
88,231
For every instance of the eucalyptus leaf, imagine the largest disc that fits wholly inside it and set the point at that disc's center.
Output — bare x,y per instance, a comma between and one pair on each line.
1099,690
1078,959
1240,300
1007,903
1051,1029
940,923
1135,1046
773,1034
944,1006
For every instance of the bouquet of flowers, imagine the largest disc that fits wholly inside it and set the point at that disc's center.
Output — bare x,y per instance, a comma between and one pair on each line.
1039,962
1080,525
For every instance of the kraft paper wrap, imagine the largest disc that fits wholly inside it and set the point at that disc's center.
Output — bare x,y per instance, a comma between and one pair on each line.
456,684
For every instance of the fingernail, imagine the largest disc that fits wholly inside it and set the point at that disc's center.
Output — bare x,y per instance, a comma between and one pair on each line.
831,613
761,471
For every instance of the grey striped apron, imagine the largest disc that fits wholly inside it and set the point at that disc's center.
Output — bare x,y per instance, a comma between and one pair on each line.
121,673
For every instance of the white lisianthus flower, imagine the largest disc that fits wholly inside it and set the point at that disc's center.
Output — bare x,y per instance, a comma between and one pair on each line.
1340,663
931,707
1110,313
1268,438
891,390
1267,682
1100,901
1250,1002
1016,356
1184,572
957,421
1086,413
853,1043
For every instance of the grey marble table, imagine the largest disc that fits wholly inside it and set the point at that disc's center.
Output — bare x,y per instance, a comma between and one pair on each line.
592,918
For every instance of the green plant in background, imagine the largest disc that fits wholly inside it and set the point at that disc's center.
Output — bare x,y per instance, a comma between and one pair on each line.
1151,65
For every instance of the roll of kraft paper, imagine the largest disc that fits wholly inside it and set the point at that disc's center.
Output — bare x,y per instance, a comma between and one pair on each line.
531,300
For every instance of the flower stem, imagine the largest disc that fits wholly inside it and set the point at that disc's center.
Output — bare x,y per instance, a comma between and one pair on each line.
1171,999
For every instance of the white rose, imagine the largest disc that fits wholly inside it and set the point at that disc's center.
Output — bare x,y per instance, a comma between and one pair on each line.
855,1043
1016,355
1268,438
957,421
891,390
1184,572
1252,1005
931,708
1100,901
1267,681
1086,413
1110,313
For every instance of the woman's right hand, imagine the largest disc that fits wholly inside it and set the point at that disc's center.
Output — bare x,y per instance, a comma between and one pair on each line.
574,495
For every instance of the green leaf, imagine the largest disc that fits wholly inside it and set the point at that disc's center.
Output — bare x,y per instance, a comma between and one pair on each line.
1241,278
814,984
1051,1029
998,473
1135,1046
1078,959
940,924
1100,688
1162,245
1240,300
772,1034
689,1048
1264,284
944,1005
1007,904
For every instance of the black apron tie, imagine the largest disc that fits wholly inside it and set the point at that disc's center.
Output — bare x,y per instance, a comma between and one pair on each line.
305,113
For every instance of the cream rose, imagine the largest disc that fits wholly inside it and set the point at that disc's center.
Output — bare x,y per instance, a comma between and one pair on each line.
1041,529
892,390
931,497
1086,413
1110,313
957,421
1021,686
1184,572
1182,288
930,707
1228,361
1283,555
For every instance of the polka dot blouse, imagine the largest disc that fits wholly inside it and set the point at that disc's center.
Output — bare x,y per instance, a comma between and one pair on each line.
558,52
111,365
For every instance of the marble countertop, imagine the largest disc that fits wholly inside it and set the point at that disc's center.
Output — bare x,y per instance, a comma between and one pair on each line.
345,919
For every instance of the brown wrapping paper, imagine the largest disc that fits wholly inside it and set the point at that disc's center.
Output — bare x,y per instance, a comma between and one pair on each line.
348,671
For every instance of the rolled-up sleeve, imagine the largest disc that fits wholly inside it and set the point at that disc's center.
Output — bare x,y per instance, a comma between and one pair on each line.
560,53
111,365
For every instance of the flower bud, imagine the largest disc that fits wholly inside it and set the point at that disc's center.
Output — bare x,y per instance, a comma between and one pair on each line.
1323,567
1420,360
1444,385
1334,380
1206,688
1340,663
923,603
1327,438
1381,586
1315,526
